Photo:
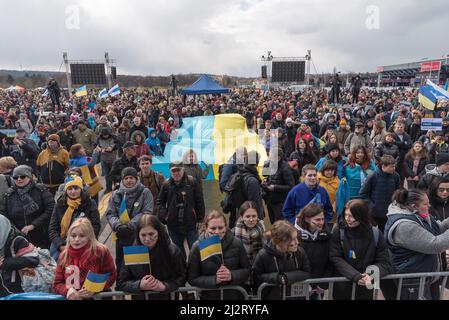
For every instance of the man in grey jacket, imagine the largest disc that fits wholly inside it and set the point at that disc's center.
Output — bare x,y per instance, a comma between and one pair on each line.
137,200
440,170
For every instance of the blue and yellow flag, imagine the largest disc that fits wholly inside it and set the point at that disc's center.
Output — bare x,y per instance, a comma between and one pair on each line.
81,91
95,282
210,247
134,255
124,217
430,94
351,255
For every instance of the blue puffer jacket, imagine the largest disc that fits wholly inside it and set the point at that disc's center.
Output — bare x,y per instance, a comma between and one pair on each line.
154,144
356,177
378,190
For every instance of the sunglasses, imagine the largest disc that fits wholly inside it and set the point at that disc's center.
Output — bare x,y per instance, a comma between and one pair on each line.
443,189
19,177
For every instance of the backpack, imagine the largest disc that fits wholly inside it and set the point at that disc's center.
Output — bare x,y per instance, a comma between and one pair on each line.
41,277
375,235
234,193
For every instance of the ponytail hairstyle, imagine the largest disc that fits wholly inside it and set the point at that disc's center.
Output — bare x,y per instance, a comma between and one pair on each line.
407,198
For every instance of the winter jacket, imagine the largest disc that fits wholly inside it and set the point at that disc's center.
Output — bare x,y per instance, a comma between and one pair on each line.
316,247
386,149
251,187
303,158
10,281
378,189
282,180
26,154
110,141
361,241
408,167
52,166
154,183
203,273
300,196
88,209
116,171
181,206
356,176
439,208
270,266
420,252
331,186
13,208
67,139
154,144
138,202
427,179
142,128
340,167
194,170
100,261
355,140
404,145
86,138
141,148
168,267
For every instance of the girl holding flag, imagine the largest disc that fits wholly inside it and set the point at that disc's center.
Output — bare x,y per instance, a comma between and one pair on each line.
217,259
83,257
161,268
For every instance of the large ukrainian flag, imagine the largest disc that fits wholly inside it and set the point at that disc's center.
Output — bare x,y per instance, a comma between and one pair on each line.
210,247
430,94
214,139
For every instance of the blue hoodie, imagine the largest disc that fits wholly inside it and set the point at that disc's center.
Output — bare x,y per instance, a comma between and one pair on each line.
154,144
302,195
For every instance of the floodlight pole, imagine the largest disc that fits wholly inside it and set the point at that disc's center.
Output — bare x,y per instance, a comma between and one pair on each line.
67,72
108,70
309,58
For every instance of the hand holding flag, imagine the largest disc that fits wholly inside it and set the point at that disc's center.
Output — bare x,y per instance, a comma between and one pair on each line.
210,247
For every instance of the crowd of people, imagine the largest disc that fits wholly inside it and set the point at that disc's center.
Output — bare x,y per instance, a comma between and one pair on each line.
351,181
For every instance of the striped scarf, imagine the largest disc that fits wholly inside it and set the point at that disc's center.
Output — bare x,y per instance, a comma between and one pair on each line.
252,238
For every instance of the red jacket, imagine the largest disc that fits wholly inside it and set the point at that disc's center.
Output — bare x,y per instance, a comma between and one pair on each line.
142,149
100,262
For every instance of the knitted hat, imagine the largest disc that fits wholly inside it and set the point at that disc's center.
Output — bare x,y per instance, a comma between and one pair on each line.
442,158
343,122
129,171
53,137
23,170
128,144
73,181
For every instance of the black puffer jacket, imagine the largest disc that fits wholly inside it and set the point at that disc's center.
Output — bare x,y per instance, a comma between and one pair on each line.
116,171
88,209
317,250
386,149
270,265
251,185
187,195
11,265
408,167
282,180
203,273
167,265
361,241
12,208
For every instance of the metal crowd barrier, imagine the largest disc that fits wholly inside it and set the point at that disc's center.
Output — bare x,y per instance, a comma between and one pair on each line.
120,295
303,289
297,290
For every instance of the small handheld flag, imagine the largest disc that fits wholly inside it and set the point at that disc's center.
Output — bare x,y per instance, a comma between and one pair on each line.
135,255
95,282
124,217
81,91
351,255
114,91
210,247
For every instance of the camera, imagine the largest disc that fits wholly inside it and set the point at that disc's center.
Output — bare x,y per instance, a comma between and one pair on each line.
180,208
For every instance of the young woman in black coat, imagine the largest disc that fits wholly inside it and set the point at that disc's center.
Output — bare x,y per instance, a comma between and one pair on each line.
314,238
75,203
168,267
415,164
281,261
232,268
353,248
439,198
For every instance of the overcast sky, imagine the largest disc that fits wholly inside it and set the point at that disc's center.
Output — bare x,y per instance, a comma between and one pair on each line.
160,37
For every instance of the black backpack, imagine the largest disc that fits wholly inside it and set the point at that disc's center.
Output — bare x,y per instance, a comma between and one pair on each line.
234,192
